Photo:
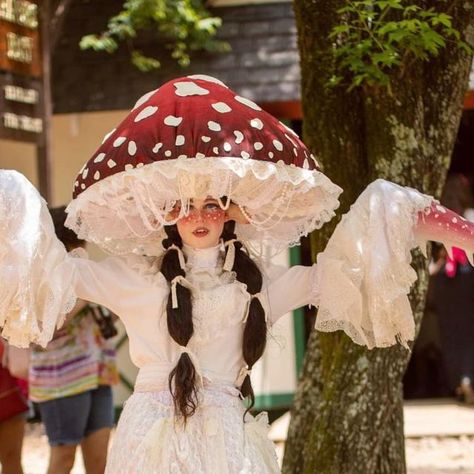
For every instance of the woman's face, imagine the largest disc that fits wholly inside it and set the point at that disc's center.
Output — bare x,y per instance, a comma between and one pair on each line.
202,227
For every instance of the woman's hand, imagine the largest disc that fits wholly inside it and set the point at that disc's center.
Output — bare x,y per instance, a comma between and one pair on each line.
235,214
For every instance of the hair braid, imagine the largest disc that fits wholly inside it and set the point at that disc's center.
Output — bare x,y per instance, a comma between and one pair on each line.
255,331
182,379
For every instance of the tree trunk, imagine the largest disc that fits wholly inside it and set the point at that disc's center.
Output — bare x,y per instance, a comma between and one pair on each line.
347,415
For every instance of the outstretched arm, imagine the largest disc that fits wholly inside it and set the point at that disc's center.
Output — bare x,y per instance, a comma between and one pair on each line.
365,273
40,281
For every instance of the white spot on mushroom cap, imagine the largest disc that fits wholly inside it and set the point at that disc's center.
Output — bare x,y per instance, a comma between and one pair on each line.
99,158
244,155
247,102
111,163
143,99
205,139
306,164
107,135
291,140
227,146
157,147
315,160
132,148
214,126
270,154
221,107
256,123
182,157
290,130
173,121
97,175
215,150
204,77
184,89
83,186
258,145
278,145
179,140
85,173
139,165
200,155
145,113
239,137
119,141
128,167
167,153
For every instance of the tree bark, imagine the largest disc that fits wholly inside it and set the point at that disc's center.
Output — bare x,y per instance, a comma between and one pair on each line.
348,413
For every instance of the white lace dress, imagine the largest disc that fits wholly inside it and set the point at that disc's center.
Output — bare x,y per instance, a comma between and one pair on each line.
215,439
360,284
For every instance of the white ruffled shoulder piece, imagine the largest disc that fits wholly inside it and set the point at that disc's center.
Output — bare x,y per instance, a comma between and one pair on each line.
364,272
35,272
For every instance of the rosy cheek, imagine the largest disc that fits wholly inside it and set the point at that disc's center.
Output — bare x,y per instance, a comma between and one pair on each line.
214,217
186,220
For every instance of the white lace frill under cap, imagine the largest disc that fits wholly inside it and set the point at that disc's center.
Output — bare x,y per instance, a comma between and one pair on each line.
194,138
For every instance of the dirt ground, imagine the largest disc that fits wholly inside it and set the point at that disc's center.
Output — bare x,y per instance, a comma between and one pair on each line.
429,455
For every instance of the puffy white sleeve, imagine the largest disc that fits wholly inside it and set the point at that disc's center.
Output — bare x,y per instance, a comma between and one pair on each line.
40,281
290,288
36,278
364,273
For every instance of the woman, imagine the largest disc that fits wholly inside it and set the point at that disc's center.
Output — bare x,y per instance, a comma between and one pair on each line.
190,174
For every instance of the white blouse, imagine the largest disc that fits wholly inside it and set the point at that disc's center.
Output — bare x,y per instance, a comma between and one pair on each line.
137,292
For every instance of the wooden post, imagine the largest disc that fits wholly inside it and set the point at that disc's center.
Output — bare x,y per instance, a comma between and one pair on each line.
43,153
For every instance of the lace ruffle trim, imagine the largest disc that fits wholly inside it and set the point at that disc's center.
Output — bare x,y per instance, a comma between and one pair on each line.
365,273
126,212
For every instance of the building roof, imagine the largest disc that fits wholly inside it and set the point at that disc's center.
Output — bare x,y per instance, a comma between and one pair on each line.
263,64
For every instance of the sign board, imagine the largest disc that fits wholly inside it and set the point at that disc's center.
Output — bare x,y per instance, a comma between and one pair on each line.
21,90
20,108
19,37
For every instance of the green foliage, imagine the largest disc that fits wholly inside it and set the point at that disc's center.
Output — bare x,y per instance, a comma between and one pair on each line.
376,37
183,26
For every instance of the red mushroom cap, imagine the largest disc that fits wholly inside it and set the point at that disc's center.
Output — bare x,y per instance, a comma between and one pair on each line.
191,118
194,137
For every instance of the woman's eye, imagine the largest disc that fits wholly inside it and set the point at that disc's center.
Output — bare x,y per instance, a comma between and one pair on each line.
211,206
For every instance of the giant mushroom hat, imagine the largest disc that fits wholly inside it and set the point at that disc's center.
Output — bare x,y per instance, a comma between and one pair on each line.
192,138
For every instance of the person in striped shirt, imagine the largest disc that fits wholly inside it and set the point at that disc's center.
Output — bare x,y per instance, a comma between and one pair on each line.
70,380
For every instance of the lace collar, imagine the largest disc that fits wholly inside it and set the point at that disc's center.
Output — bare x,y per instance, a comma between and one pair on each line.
203,259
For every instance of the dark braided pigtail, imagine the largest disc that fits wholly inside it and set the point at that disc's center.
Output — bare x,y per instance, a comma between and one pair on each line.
255,331
182,379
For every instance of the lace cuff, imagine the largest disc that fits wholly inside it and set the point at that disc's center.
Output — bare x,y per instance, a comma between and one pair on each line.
365,273
35,272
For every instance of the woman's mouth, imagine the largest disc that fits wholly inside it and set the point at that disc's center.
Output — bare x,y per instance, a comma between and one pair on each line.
200,232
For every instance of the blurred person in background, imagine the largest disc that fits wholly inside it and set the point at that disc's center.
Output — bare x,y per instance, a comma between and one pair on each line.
13,411
70,379
452,297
